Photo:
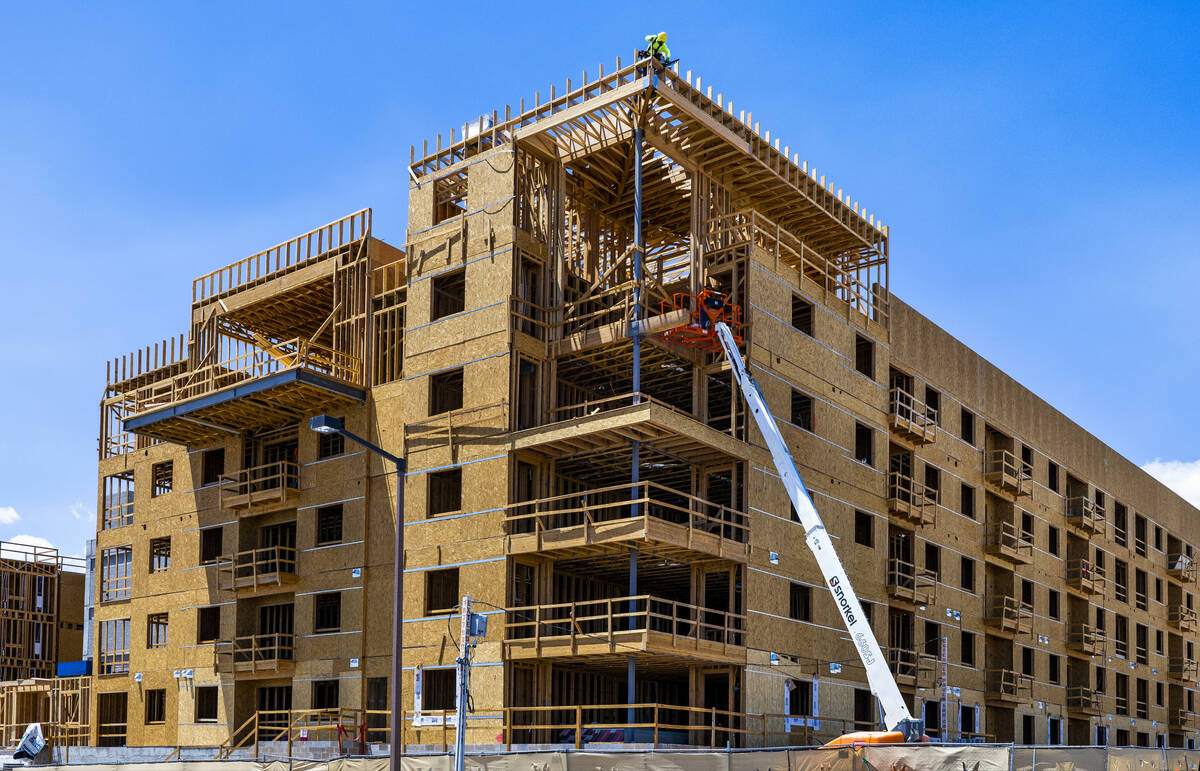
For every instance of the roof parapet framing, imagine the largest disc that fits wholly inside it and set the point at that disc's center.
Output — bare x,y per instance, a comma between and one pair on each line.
691,125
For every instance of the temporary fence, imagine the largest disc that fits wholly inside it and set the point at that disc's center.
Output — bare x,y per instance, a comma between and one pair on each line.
926,757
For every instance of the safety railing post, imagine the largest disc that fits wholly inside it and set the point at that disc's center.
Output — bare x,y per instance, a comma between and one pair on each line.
578,726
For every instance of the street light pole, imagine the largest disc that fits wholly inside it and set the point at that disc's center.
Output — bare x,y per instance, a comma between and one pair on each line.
327,424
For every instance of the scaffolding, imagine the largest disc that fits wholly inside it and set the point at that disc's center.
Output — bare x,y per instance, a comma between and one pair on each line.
60,704
37,584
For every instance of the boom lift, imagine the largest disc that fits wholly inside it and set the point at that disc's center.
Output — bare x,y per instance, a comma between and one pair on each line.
902,726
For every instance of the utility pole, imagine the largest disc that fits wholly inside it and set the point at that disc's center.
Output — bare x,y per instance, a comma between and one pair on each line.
463,671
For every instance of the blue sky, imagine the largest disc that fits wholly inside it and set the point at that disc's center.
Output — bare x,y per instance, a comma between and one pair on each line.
1037,164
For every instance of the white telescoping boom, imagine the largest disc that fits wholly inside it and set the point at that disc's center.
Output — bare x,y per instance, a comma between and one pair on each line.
895,712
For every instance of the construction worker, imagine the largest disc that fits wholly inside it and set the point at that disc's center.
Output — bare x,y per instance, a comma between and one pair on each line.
712,304
656,46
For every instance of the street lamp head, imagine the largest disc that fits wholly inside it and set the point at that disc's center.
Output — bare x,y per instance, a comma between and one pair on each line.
326,424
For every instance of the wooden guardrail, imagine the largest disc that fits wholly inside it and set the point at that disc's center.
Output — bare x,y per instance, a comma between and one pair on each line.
287,255
605,504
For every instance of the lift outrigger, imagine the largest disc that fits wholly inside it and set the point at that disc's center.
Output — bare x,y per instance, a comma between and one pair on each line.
709,329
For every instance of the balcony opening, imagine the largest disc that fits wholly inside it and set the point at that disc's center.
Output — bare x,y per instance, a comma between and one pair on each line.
800,605
112,722
967,501
437,689
933,482
160,554
327,612
161,478
449,196
207,697
211,545
933,405
864,356
933,639
118,500
156,630
208,624
802,411
967,427
864,444
528,410
325,694
116,573
114,646
864,710
802,315
799,697
1121,580
449,294
1026,527
446,392
967,574
445,492
966,648
212,466
933,560
441,591
156,706
329,524
864,528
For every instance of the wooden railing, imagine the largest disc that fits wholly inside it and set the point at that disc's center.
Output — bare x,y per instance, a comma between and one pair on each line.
1181,567
911,499
1182,617
1085,513
1009,684
1184,719
913,667
1004,540
446,427
1184,668
529,317
1083,575
1083,699
623,502
255,363
1085,639
604,620
750,227
1009,614
256,652
254,567
284,256
912,416
269,481
345,726
552,726
908,582
593,406
1004,470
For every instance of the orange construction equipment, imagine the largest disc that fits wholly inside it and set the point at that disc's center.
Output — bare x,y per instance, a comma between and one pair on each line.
704,311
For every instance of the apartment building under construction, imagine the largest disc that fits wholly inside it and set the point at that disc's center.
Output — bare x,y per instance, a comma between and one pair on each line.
597,488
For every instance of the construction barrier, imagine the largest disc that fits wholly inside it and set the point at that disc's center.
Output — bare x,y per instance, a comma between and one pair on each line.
929,757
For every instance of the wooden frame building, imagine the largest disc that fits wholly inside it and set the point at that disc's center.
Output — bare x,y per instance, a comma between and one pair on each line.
597,489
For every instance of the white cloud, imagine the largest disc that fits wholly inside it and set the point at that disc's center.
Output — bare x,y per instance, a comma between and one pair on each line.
80,512
26,540
1180,475
8,515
